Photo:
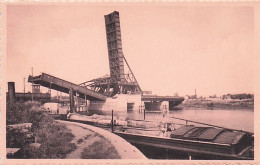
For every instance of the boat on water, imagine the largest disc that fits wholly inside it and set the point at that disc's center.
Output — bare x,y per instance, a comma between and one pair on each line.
200,141
203,142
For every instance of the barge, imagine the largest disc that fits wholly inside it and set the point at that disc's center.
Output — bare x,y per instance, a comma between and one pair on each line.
196,142
199,142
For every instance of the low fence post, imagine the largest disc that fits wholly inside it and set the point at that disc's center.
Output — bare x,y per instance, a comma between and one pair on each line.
112,121
144,114
190,157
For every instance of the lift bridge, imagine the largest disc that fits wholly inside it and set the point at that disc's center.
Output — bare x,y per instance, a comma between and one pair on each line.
120,81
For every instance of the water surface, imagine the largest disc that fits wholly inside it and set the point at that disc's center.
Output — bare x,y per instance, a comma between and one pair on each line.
234,119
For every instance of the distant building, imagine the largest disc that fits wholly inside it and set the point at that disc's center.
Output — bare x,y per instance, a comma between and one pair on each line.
36,88
193,96
213,96
228,96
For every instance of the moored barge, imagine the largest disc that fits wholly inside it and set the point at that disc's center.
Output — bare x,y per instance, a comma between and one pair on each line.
201,142
198,142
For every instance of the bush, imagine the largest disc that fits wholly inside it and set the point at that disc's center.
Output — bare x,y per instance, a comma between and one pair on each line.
54,137
22,112
28,151
14,138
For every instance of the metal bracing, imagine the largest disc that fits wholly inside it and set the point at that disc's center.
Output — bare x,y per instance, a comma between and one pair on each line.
119,81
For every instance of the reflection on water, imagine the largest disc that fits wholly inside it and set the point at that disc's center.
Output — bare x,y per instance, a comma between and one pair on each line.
234,119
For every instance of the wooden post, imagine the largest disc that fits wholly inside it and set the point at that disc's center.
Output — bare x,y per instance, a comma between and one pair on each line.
71,101
112,121
24,89
85,103
50,89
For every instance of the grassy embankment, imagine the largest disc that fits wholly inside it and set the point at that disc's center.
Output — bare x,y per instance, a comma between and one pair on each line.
100,149
216,104
52,138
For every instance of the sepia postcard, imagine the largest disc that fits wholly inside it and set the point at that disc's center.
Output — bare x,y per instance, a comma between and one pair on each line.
133,82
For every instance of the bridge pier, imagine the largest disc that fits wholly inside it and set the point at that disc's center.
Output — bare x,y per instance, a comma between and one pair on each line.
72,105
156,105
162,105
120,102
86,103
172,104
77,107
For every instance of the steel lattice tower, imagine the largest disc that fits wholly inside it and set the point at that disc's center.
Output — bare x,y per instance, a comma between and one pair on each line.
114,45
121,82
118,82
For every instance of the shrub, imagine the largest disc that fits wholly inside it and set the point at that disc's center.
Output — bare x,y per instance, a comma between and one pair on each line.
14,138
22,112
54,137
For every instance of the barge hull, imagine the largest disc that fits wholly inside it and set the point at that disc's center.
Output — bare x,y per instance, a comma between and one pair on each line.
191,148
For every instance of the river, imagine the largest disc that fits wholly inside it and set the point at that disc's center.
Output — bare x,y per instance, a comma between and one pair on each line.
233,119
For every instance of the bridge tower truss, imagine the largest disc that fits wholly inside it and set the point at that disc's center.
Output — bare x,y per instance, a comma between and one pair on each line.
120,81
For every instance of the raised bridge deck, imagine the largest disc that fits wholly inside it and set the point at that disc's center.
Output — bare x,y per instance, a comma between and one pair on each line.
58,84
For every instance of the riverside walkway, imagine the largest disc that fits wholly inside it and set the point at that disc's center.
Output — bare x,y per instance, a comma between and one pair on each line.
124,150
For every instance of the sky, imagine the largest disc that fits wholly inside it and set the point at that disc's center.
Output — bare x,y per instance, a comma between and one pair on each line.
171,49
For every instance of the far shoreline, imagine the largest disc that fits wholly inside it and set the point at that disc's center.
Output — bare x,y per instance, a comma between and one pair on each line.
198,104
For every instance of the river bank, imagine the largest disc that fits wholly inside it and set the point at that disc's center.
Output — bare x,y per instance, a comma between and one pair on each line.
32,133
96,143
35,134
216,104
